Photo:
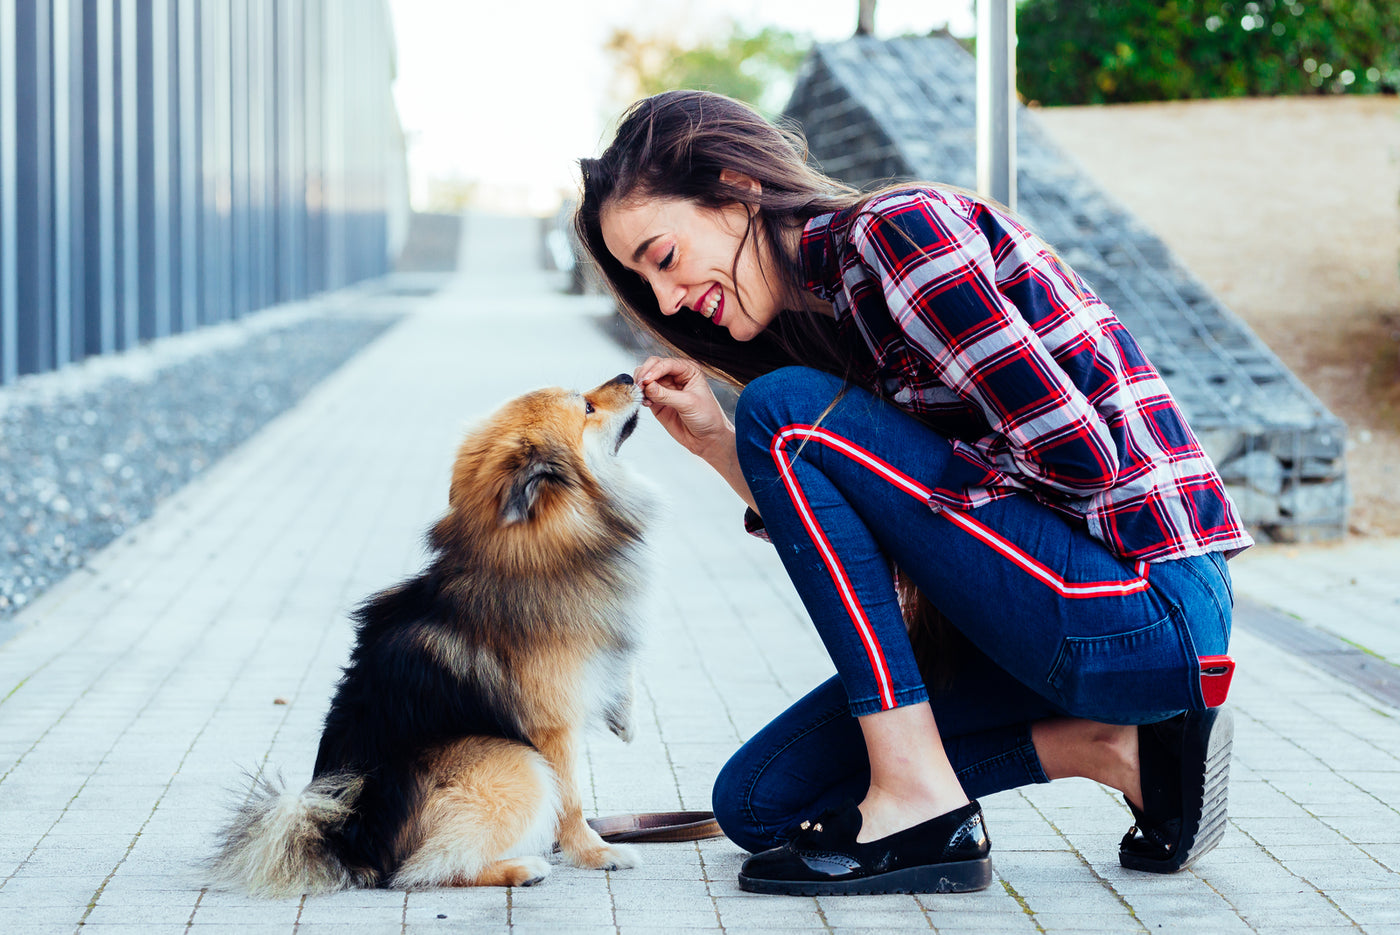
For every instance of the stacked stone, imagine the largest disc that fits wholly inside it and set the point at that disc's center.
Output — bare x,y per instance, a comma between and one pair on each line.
876,111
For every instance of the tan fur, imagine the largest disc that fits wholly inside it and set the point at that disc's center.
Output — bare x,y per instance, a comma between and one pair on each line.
492,801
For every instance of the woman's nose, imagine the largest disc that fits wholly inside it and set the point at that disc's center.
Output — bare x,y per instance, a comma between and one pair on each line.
669,298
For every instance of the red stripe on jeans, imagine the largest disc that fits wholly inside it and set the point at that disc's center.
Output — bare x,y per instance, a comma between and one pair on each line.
983,533
834,566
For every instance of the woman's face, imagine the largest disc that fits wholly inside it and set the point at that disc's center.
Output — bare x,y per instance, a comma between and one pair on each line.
686,254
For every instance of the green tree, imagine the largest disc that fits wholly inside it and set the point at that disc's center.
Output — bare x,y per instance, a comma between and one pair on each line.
1102,51
757,67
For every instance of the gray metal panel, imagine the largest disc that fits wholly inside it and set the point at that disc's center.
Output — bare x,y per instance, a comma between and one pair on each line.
129,242
63,180
257,156
314,194
333,109
241,237
264,147
9,208
34,64
164,193
145,174
215,15
168,163
106,107
74,345
190,116
291,139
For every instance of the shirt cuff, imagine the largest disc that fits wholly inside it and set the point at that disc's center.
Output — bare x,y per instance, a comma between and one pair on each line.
753,525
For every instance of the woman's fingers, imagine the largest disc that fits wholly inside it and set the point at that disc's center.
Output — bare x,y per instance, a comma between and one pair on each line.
660,368
662,378
678,394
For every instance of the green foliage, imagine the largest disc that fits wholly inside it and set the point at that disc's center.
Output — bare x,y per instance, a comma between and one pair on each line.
1103,51
756,67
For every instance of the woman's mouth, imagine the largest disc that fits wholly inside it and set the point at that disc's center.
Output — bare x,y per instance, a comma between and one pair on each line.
712,305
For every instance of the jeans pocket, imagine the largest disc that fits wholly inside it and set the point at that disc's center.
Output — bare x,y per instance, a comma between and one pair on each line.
1139,676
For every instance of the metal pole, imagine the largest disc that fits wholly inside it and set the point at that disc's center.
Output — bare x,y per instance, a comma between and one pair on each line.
996,100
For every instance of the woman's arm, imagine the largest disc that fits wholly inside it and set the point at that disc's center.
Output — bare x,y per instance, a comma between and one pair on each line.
680,397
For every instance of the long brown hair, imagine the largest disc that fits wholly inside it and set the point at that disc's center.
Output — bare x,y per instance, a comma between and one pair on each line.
676,145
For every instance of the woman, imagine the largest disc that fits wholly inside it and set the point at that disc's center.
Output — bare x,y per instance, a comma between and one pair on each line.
929,394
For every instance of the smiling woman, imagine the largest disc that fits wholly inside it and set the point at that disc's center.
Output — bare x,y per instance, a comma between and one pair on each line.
697,259
927,387
712,227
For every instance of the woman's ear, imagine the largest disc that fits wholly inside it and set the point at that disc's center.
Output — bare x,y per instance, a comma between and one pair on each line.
740,180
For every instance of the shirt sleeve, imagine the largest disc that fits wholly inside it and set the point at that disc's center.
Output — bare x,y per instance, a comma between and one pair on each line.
936,270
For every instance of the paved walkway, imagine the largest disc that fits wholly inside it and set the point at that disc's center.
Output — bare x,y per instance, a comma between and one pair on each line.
208,639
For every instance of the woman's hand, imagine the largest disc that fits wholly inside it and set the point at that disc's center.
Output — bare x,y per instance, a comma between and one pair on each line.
680,397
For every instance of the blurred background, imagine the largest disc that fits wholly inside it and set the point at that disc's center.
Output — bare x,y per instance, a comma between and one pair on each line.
499,100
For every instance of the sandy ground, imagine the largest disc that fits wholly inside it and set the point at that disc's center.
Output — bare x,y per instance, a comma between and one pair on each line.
1289,210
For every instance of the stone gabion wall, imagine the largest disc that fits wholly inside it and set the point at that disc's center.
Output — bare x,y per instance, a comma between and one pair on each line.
876,111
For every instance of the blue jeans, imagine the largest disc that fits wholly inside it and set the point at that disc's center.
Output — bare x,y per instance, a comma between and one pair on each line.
1058,624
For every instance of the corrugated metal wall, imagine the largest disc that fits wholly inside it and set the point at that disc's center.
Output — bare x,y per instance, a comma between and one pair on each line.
166,164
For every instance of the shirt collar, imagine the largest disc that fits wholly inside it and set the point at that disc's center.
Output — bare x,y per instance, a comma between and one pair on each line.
821,267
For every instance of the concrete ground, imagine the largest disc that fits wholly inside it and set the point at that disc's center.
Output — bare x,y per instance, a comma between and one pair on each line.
207,641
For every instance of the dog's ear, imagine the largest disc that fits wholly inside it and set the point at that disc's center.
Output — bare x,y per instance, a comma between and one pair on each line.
523,492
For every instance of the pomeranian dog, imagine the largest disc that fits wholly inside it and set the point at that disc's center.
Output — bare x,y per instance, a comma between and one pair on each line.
448,754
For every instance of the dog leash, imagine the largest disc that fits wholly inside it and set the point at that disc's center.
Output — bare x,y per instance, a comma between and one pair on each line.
657,827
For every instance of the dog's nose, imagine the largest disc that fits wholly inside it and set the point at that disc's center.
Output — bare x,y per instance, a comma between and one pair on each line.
624,378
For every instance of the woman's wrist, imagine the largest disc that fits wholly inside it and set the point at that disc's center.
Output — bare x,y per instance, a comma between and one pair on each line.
720,449
724,458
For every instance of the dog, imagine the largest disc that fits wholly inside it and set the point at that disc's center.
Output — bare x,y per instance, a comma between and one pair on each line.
447,756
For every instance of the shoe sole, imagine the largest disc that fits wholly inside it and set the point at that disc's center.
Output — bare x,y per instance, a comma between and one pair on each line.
1204,791
962,876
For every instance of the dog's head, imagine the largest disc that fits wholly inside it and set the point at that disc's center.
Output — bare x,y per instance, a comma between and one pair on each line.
543,473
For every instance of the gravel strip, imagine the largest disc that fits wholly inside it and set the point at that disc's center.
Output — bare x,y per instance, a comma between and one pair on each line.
88,453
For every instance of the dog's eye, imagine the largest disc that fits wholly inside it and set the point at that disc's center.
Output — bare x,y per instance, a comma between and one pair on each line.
588,408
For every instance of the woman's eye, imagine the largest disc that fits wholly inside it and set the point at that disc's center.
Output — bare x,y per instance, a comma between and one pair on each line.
588,408
668,259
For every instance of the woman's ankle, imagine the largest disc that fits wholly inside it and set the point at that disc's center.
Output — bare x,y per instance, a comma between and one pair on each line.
884,812
1105,753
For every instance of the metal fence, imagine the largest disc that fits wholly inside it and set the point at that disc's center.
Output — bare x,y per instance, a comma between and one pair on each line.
166,164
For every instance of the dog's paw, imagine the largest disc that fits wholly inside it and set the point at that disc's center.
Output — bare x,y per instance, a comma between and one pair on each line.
623,728
532,870
608,857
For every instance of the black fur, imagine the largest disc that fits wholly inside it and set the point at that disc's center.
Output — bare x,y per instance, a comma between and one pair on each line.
394,702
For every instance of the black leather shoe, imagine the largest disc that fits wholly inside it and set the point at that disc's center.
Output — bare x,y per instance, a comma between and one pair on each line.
947,854
1185,769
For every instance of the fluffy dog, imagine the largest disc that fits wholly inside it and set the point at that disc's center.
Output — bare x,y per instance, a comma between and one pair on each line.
447,756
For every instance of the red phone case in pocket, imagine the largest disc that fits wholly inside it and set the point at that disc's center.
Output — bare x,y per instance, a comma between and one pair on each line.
1216,672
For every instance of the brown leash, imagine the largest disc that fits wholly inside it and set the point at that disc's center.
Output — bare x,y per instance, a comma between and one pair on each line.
657,826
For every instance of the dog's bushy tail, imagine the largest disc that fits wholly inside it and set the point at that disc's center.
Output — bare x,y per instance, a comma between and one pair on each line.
277,844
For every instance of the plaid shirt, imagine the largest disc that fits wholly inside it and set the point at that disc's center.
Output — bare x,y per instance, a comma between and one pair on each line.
958,314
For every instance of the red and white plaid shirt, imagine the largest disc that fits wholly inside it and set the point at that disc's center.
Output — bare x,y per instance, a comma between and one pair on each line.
957,313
